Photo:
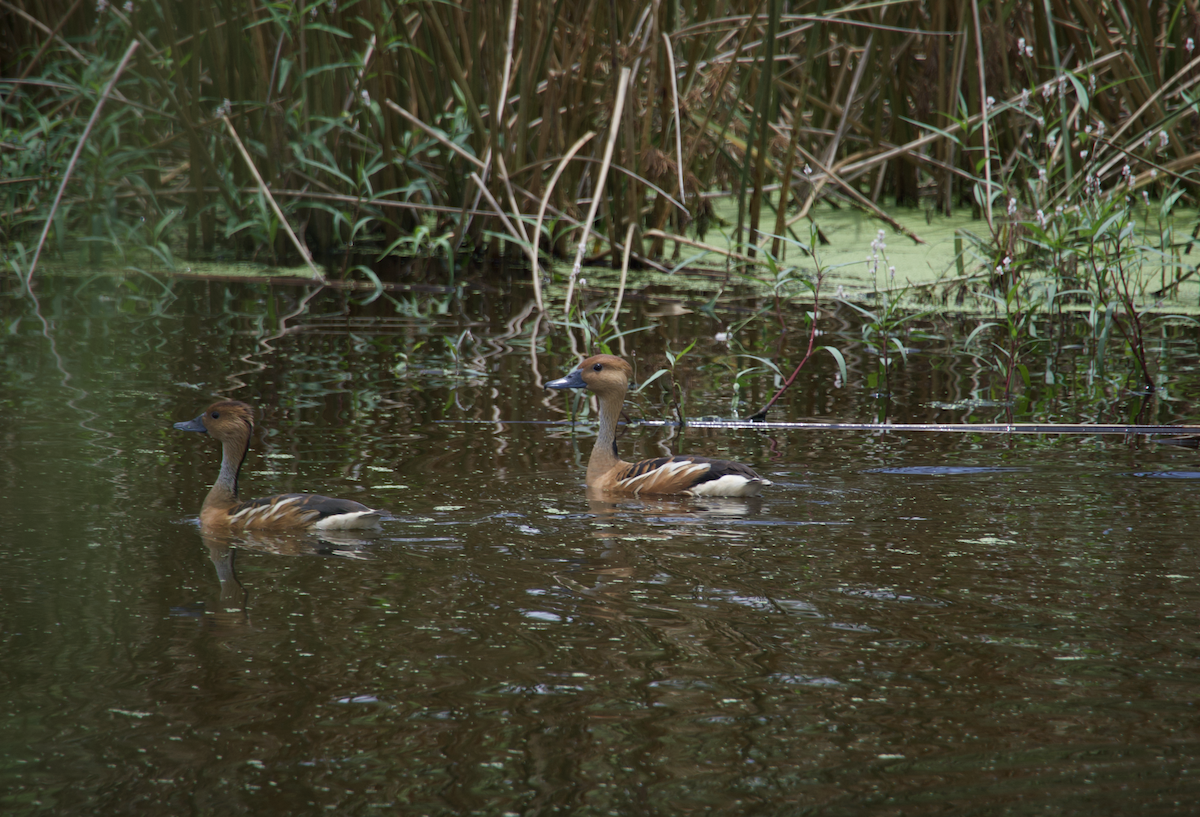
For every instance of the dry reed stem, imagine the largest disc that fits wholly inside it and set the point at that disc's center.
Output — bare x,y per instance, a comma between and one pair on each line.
983,105
262,186
446,143
737,256
133,46
51,37
678,124
598,189
45,29
855,196
537,229
530,248
487,194
1157,94
624,272
831,148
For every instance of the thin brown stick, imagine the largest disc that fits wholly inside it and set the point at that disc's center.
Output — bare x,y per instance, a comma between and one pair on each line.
262,186
700,245
983,105
446,143
678,126
50,38
487,194
598,190
761,414
624,272
537,227
75,157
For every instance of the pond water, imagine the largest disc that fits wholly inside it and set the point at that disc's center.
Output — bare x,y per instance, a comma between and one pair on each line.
904,623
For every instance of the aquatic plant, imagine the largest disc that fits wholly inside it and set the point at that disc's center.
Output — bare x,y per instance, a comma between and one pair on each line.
369,122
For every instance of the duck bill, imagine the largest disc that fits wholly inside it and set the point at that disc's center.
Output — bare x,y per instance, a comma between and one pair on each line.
572,381
193,425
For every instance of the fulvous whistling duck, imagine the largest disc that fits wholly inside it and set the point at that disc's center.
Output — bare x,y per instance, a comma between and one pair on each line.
231,423
609,377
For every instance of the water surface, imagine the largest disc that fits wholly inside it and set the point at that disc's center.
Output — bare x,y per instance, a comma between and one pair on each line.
903,623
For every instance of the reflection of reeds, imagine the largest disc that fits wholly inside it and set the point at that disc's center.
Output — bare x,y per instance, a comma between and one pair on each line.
882,100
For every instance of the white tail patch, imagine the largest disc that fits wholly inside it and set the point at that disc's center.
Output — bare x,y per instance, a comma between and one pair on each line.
356,520
729,485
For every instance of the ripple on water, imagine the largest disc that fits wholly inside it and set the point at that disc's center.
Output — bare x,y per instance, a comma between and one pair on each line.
945,470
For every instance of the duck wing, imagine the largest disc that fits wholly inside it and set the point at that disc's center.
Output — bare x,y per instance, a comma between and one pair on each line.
303,511
698,476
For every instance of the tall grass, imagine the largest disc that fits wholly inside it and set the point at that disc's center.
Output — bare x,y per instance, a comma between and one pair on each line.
1006,108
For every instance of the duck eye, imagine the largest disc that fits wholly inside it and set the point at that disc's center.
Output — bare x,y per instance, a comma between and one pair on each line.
598,367
216,414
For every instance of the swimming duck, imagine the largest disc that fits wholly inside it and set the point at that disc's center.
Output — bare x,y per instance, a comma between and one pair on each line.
609,376
231,423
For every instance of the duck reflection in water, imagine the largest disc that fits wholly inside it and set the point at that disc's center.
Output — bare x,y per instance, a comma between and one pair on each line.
621,525
606,507
233,608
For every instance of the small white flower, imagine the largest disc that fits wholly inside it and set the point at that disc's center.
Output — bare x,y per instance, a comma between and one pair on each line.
1100,129
1021,44
807,169
721,337
1154,173
1083,154
1088,129
1024,97
1091,82
1189,46
1163,139
1007,261
841,292
1012,206
1041,219
101,6
1041,174
892,272
991,102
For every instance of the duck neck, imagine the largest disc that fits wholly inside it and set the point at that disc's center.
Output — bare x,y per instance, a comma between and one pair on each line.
225,489
604,453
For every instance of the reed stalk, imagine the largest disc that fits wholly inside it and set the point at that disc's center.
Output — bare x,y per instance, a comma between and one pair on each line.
66,176
266,192
598,189
395,107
